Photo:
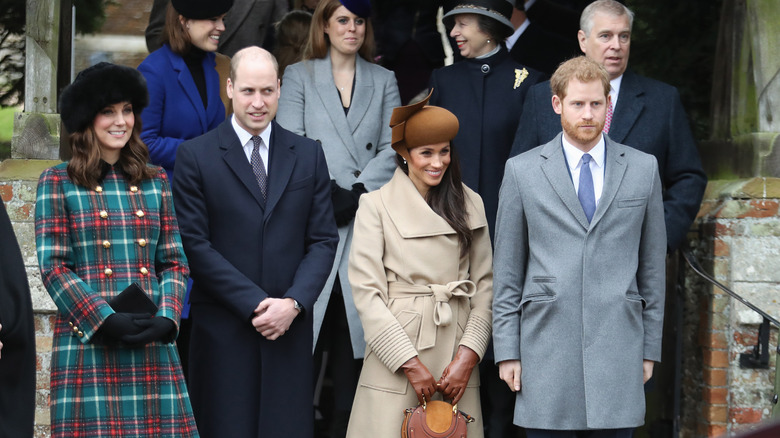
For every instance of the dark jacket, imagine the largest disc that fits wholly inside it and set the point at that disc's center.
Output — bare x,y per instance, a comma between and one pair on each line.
241,250
487,97
17,365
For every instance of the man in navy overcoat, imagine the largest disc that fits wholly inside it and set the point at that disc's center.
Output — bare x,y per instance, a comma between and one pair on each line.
647,115
253,203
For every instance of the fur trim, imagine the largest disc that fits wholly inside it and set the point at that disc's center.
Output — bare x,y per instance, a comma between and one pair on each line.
95,88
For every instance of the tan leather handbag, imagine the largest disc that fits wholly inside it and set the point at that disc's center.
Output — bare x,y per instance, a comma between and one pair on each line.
435,419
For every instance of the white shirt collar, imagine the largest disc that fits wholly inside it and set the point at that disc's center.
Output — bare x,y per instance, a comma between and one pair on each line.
615,90
244,136
515,36
574,155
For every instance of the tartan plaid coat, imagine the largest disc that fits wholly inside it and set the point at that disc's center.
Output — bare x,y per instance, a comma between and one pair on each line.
91,244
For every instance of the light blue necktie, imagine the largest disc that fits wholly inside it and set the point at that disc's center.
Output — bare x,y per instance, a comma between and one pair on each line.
585,192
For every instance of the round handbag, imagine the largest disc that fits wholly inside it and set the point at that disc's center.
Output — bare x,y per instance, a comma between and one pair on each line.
435,419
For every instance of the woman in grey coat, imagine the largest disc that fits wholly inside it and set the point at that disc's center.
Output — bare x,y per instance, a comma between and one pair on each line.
338,97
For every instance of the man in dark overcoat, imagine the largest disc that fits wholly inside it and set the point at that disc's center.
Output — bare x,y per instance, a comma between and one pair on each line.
17,339
254,207
647,115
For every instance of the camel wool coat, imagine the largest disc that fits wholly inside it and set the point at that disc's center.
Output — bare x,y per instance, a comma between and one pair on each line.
416,296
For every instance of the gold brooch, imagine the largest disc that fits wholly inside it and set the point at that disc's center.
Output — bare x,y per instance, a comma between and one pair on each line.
520,76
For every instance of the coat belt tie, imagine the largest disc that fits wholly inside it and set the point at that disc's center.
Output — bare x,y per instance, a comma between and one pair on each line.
436,312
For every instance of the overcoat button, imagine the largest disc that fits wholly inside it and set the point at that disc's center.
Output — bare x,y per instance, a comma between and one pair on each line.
103,214
485,68
81,334
369,146
139,213
142,242
75,329
108,272
99,189
356,173
133,189
106,244
144,271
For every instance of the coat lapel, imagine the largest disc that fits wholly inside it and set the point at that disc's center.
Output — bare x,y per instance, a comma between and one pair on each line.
326,90
555,169
184,77
281,156
615,168
234,19
361,99
631,103
235,158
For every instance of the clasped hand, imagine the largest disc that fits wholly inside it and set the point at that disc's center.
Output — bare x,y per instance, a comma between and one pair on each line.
273,317
453,381
138,329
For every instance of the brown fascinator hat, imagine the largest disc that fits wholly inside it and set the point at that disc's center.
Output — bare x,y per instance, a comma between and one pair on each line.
420,124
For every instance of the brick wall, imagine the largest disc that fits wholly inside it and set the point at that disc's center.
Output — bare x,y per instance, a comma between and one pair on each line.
739,244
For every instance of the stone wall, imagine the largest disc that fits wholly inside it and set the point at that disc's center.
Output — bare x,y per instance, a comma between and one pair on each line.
739,244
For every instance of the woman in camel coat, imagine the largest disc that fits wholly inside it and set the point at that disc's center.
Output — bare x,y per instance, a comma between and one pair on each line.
422,289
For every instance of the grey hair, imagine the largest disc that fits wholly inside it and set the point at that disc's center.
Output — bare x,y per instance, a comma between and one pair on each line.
609,7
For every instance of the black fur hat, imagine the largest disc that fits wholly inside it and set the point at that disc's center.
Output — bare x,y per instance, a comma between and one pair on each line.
201,9
95,88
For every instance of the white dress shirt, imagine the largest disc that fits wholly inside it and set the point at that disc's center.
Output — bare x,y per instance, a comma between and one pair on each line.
574,161
246,140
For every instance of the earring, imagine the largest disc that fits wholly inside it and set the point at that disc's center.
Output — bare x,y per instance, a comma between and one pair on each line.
488,40
404,160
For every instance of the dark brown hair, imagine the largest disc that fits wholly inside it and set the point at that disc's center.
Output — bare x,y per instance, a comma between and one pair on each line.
318,45
292,33
85,166
448,200
174,34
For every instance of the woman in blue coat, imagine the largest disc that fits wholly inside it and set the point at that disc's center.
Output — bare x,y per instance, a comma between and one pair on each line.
184,86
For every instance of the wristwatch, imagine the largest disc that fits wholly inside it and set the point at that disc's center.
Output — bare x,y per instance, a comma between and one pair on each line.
297,305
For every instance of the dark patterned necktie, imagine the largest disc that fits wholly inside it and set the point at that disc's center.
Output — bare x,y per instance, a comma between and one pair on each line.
586,193
257,165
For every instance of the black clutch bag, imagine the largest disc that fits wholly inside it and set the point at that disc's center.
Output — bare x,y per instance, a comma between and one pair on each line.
133,300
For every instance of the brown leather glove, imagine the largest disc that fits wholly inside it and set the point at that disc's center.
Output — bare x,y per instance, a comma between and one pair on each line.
421,379
455,377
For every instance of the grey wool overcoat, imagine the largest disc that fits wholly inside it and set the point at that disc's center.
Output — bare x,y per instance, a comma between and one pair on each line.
357,148
581,305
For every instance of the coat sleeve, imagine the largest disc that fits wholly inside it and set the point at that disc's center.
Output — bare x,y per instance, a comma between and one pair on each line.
380,169
215,275
322,238
651,272
162,150
76,300
170,262
367,276
476,336
527,134
292,102
510,260
684,178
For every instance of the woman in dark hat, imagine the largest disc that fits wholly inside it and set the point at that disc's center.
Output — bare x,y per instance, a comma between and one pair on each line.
340,98
186,80
421,275
104,221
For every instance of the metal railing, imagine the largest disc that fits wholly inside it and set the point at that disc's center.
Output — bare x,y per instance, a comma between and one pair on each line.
759,357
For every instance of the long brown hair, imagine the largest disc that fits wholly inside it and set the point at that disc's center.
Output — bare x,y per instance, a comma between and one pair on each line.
319,43
85,166
448,200
174,34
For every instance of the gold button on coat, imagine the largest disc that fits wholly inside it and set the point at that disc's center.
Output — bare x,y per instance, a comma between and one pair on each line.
81,334
103,214
144,271
106,244
139,213
99,189
142,242
108,272
75,329
133,189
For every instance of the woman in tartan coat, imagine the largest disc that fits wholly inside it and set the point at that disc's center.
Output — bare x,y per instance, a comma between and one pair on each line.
103,221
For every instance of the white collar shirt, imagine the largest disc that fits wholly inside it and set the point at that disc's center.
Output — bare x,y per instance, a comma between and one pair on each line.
574,161
246,140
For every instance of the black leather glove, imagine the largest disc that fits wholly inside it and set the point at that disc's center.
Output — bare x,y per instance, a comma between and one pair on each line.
120,324
345,203
152,329
421,379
